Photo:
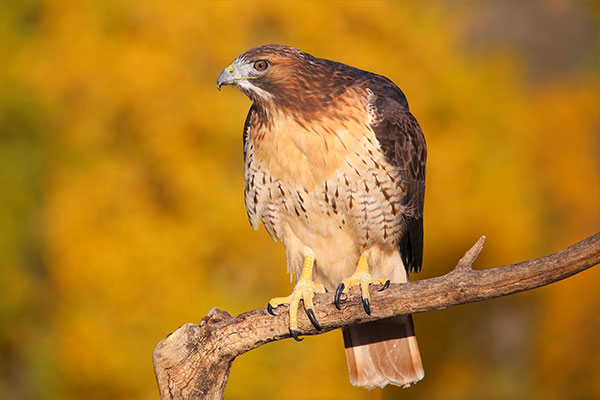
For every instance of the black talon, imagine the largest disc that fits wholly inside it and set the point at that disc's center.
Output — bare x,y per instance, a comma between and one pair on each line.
313,319
385,286
338,293
366,305
294,334
270,309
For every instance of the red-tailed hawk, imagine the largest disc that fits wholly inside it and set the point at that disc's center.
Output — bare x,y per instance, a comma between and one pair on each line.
335,169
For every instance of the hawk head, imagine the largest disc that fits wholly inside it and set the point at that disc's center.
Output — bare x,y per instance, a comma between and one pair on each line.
285,77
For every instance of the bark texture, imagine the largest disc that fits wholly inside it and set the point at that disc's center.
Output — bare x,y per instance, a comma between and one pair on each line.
194,361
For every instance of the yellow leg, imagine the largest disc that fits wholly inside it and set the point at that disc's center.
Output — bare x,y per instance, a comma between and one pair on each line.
304,290
363,278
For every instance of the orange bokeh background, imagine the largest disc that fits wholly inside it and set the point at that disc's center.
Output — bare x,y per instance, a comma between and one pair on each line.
121,206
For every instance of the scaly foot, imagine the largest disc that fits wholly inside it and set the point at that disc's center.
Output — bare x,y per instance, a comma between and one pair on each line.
304,290
363,278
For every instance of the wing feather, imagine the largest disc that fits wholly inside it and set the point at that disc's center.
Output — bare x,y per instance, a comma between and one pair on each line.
247,127
250,187
403,145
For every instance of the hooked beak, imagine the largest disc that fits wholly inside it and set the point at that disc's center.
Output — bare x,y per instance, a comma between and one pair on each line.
226,77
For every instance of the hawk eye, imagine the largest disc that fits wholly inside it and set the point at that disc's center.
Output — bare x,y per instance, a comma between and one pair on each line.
261,65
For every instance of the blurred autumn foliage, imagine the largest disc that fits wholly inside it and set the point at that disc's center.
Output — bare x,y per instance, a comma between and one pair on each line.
121,206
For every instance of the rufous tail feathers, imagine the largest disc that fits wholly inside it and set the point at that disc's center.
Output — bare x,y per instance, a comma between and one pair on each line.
383,352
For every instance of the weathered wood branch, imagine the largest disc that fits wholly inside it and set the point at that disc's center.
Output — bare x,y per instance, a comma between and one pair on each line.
194,361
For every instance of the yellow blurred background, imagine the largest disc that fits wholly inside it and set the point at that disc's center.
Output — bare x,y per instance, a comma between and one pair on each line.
121,189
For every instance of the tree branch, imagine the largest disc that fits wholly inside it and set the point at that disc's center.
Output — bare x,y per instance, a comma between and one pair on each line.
195,360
